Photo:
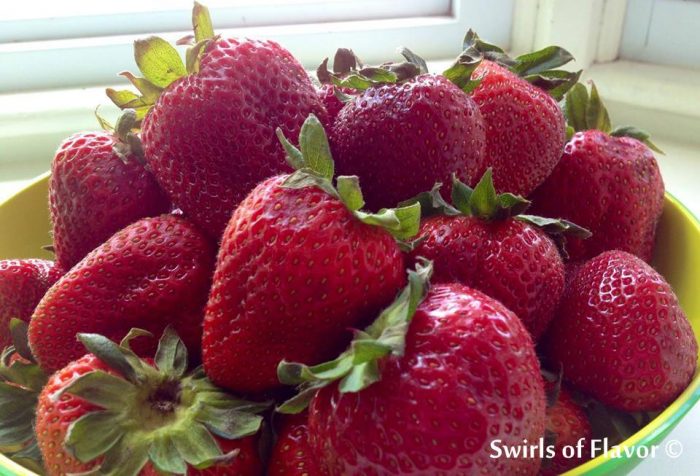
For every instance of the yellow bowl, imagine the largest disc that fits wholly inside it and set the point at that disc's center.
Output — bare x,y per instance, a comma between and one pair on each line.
24,222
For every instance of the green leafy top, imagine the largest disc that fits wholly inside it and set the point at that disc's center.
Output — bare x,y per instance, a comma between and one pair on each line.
483,202
156,413
358,367
349,72
21,381
538,67
314,167
160,64
585,112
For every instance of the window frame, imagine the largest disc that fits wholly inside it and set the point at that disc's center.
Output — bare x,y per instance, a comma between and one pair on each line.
83,61
648,38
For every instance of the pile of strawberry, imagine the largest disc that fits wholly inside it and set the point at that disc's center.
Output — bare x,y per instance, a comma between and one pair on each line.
222,302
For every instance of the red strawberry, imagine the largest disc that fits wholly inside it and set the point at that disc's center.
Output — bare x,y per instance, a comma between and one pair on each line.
23,282
152,273
333,104
298,265
97,187
408,129
511,260
487,243
291,455
605,181
566,424
109,409
621,335
209,136
429,394
525,129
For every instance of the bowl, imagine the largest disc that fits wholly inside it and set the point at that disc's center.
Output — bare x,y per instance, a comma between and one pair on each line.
24,220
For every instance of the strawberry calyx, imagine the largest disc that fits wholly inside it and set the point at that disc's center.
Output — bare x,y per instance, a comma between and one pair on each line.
358,367
314,166
155,413
21,381
606,422
552,390
483,202
127,143
349,72
160,64
585,112
345,62
538,67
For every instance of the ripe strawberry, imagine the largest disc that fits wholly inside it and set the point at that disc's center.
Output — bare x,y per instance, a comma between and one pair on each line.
566,424
298,265
517,98
291,455
426,393
331,101
607,181
109,409
97,187
209,135
621,335
152,273
488,244
23,282
525,128
406,120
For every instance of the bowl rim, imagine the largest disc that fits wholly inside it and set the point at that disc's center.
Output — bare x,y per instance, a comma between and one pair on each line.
647,436
30,183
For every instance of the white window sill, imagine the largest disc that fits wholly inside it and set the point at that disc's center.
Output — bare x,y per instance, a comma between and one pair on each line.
661,99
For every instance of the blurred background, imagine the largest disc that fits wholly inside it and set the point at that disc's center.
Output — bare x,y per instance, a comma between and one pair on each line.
56,58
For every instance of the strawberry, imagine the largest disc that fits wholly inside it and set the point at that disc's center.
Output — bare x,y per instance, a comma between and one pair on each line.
152,273
428,388
291,455
517,98
607,180
333,104
333,97
113,412
566,424
298,265
404,119
23,282
486,242
621,335
209,131
98,185
21,380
